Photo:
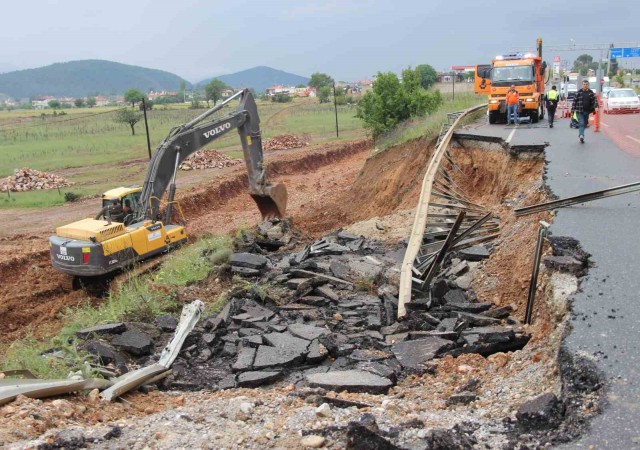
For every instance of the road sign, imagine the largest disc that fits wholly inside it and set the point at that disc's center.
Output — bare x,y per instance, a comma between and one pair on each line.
622,52
556,59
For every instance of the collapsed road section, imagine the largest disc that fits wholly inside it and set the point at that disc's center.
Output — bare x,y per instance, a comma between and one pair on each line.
309,352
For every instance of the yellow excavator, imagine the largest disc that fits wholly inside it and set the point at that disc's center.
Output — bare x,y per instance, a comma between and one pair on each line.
142,228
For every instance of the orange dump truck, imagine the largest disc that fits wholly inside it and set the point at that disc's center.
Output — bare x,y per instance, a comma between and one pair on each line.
525,71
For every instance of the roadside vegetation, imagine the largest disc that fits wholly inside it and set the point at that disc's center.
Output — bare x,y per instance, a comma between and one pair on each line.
430,125
138,299
106,153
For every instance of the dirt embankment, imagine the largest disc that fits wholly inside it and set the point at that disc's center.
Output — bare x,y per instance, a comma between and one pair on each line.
33,295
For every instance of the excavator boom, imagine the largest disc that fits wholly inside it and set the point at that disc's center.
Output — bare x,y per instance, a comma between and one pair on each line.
190,137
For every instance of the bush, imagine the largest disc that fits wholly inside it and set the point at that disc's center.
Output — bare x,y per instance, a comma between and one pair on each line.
71,197
281,98
392,101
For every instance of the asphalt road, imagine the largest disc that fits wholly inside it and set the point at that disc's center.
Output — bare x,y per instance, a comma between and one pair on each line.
609,300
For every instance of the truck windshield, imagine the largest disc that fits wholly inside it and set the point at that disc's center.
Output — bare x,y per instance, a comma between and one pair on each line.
512,75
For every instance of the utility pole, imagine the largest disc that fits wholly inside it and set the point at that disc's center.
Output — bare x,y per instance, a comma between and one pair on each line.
453,88
335,107
146,125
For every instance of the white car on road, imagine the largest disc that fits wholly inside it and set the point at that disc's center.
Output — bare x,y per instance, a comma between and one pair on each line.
621,100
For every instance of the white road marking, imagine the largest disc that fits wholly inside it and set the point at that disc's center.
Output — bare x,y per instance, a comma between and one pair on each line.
511,134
633,139
604,124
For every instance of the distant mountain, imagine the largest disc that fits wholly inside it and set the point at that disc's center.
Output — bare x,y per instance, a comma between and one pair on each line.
258,78
6,67
87,77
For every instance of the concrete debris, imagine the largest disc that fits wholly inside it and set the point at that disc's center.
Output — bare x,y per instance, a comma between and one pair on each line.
312,441
208,159
27,179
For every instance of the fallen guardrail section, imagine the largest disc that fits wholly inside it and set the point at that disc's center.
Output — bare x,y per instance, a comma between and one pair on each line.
34,388
445,219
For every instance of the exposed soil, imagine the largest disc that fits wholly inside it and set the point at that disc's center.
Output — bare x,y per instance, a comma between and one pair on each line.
33,295
332,187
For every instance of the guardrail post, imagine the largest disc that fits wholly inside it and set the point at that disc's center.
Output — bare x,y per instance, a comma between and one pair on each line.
533,285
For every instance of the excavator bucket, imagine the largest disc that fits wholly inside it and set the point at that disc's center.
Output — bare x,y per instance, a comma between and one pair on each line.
272,202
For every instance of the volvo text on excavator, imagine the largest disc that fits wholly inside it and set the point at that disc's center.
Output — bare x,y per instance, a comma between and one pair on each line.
97,246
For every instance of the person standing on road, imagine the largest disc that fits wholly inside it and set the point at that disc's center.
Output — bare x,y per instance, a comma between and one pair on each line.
552,98
584,103
513,102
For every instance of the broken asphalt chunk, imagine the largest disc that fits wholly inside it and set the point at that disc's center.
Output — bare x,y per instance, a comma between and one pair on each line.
268,357
245,359
248,260
166,323
540,412
256,378
475,253
307,332
412,354
360,437
107,328
350,380
134,342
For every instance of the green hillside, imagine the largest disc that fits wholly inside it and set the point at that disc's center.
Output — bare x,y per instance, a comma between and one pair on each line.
258,78
87,77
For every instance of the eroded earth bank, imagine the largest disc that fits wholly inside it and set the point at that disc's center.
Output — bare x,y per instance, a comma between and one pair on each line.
308,352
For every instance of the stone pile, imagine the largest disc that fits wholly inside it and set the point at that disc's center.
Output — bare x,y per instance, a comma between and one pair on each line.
26,179
285,142
208,159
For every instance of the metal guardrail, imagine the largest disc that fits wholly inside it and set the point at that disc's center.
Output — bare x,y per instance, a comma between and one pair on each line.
429,241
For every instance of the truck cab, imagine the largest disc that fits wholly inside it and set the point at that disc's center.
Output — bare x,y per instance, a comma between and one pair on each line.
525,71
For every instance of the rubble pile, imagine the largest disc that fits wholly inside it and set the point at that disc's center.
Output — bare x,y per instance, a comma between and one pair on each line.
208,159
27,179
327,320
285,142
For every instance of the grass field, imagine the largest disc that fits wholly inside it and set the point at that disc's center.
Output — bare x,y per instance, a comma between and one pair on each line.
97,154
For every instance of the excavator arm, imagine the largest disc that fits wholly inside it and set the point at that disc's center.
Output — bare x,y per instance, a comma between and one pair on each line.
190,137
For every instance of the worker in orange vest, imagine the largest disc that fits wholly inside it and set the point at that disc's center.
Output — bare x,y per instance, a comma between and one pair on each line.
513,101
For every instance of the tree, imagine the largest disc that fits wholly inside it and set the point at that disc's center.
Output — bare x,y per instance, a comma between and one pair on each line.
281,98
319,80
213,91
128,116
79,102
55,104
583,63
91,102
392,101
134,96
428,75
301,85
324,94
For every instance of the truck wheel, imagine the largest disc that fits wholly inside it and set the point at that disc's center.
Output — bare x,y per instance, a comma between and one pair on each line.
493,117
534,117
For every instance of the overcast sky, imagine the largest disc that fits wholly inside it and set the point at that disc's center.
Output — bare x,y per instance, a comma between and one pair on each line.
349,39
